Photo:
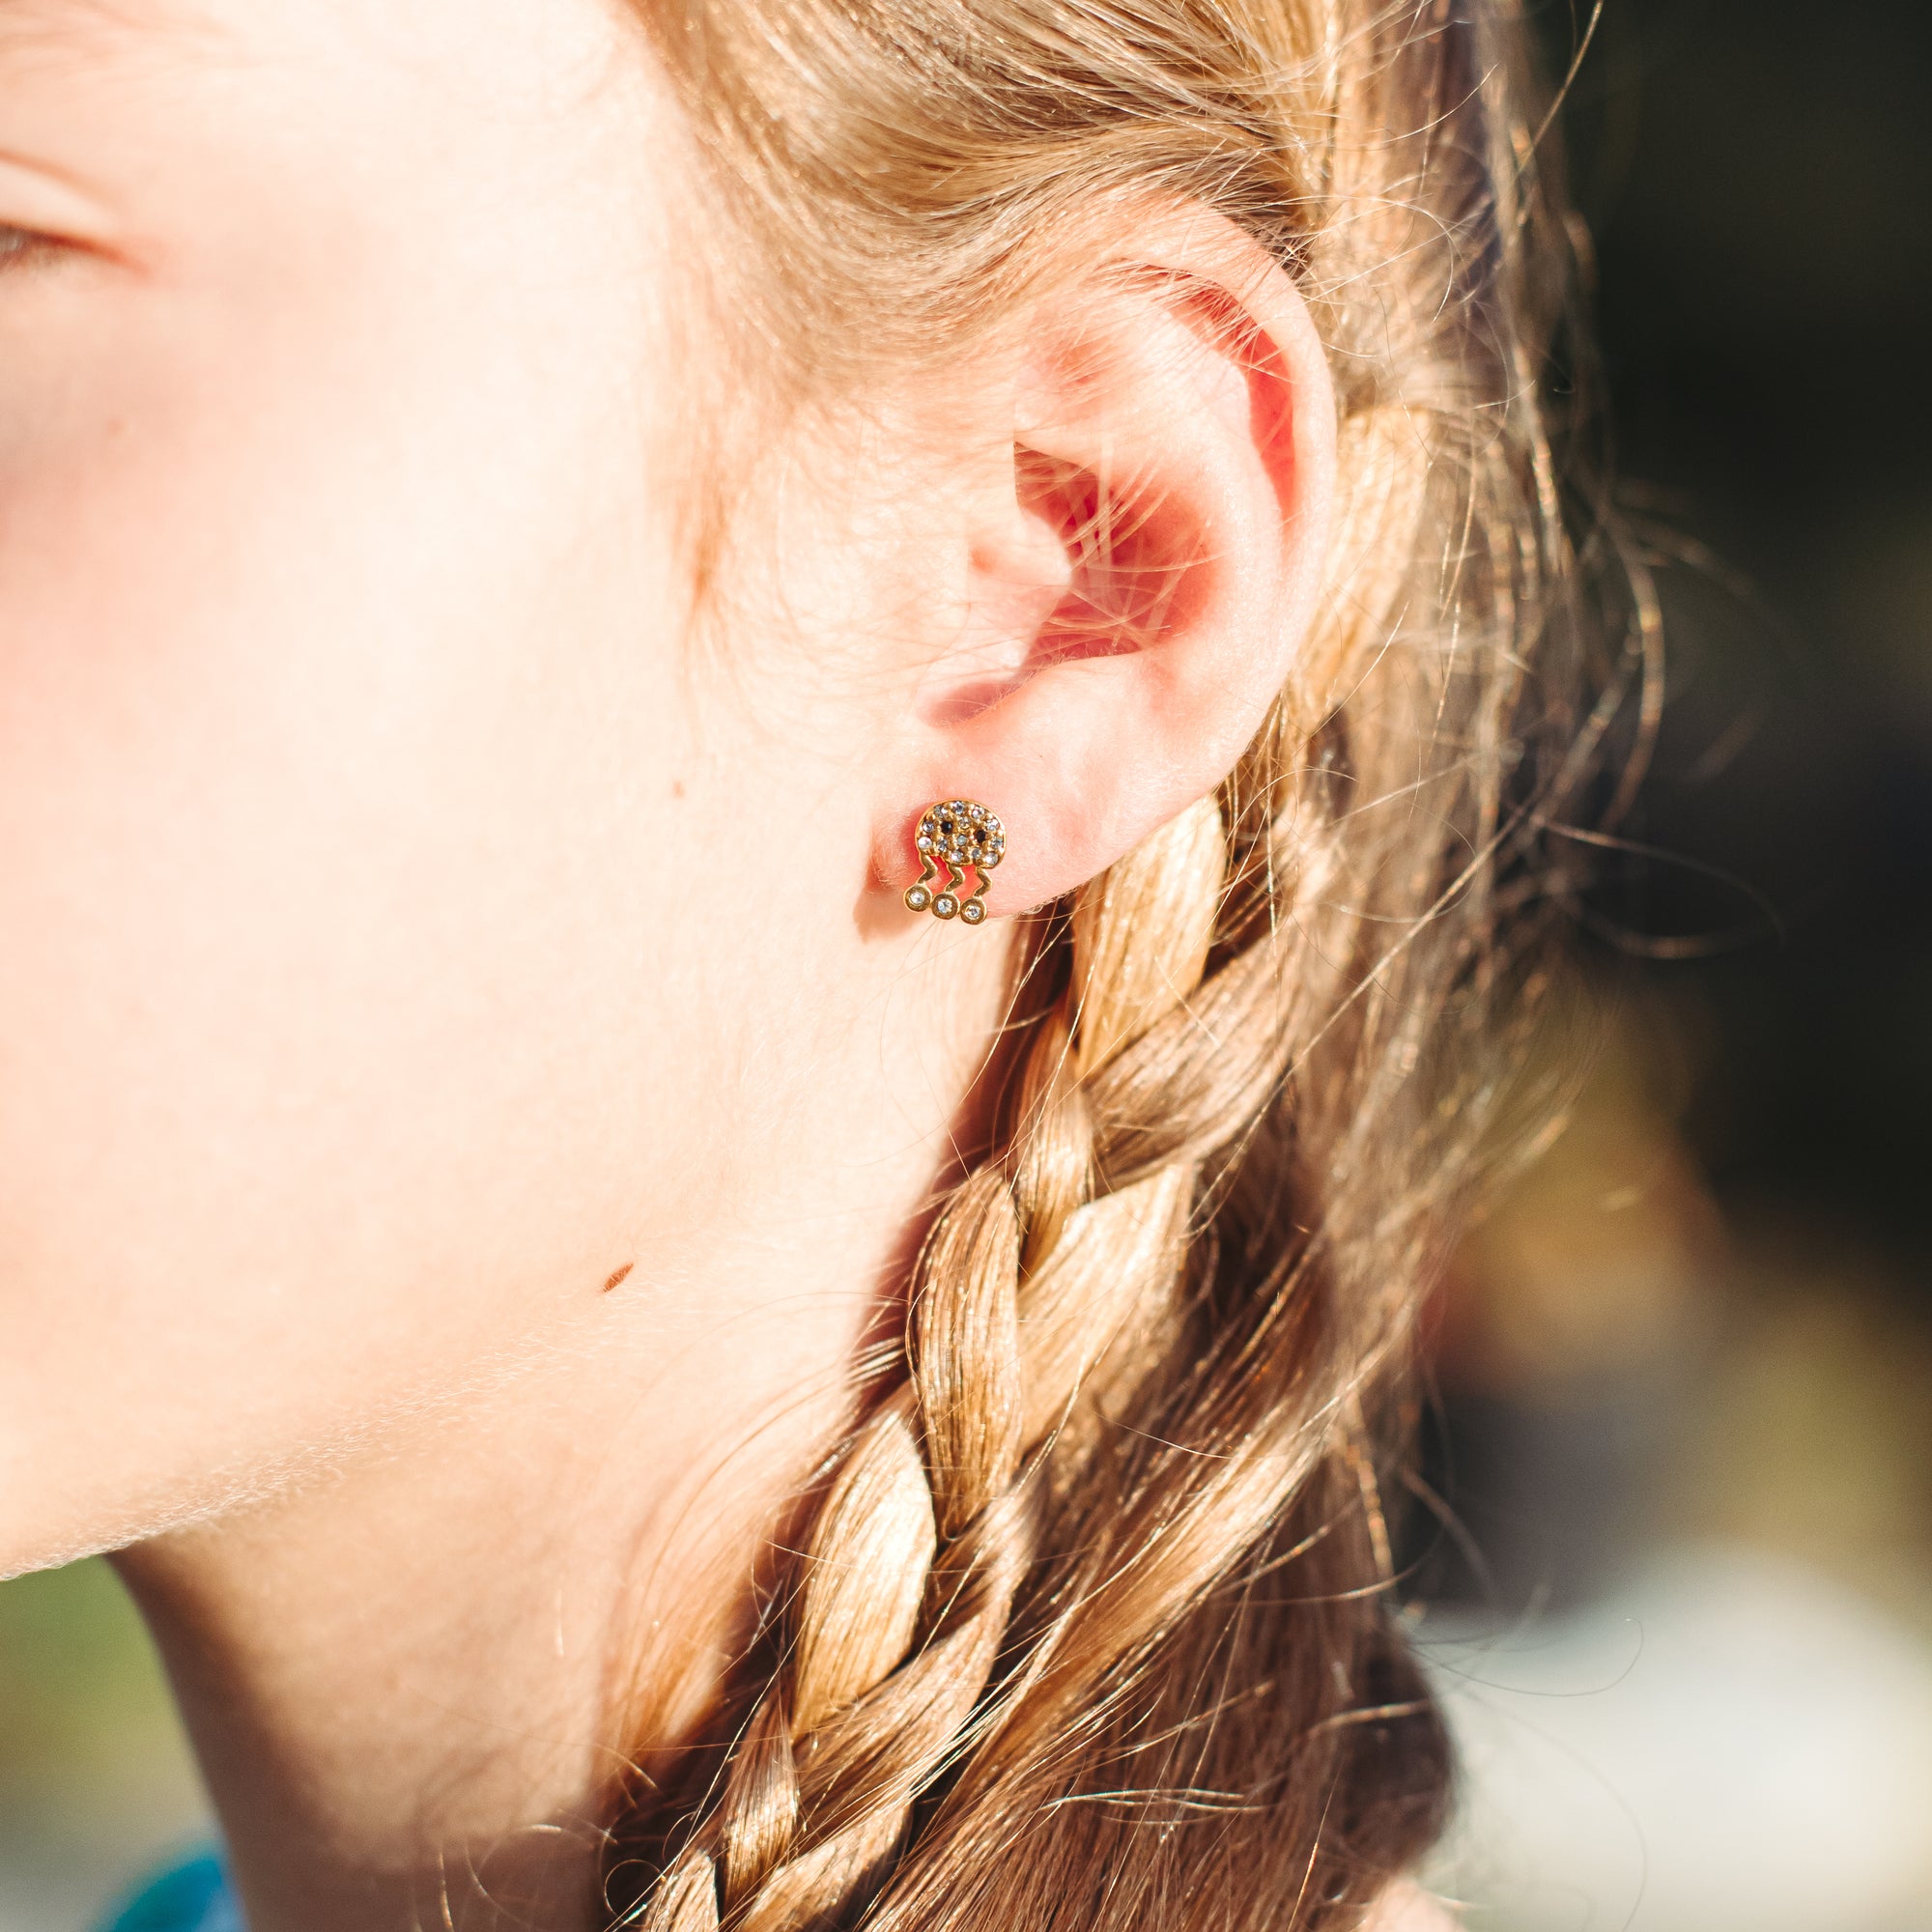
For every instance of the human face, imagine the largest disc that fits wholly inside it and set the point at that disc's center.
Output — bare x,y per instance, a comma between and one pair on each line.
377,974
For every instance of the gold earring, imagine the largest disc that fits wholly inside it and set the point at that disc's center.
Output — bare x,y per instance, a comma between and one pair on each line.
955,834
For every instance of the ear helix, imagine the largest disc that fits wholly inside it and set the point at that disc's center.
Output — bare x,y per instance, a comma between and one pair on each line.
952,835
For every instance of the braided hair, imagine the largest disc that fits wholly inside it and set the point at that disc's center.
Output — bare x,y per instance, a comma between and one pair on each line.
1089,1622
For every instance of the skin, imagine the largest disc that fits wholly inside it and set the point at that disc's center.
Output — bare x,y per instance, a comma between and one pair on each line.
469,1081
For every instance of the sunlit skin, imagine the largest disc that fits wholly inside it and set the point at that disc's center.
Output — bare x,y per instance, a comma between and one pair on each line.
467,1080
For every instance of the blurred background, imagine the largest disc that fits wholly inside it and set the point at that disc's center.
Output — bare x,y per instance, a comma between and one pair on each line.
1684,1620
1684,1617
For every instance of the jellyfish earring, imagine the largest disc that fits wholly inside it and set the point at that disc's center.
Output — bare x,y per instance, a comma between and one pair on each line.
952,836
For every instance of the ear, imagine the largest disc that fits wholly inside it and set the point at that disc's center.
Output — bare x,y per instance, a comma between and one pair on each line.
1143,559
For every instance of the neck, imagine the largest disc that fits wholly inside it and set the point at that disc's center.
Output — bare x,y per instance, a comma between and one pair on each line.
414,1677
418,1674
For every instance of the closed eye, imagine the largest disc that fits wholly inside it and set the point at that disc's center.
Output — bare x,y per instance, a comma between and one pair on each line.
51,216
26,248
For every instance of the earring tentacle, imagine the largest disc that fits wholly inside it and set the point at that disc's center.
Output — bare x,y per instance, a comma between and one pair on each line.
919,895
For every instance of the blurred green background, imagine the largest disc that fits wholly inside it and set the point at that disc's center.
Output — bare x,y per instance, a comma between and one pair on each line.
1685,1425
96,1782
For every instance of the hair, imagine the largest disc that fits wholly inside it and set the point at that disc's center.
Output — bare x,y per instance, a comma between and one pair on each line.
1091,1621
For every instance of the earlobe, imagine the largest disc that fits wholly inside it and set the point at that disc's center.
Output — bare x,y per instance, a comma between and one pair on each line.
1143,576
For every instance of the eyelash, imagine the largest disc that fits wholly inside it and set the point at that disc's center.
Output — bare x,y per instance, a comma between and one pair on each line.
22,245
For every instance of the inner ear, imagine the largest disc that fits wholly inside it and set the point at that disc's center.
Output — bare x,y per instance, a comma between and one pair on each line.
1129,552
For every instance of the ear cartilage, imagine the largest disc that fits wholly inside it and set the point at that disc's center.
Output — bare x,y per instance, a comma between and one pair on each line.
952,835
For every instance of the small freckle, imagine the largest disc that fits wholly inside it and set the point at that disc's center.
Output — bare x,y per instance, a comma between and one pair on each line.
618,1279
677,787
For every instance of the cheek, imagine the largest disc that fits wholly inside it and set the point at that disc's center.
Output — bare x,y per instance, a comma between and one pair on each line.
339,858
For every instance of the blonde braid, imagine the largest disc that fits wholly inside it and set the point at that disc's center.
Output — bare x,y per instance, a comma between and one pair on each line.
926,1530
1154,1340
1037,1298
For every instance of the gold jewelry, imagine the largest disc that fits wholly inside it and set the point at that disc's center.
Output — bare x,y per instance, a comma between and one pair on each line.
955,834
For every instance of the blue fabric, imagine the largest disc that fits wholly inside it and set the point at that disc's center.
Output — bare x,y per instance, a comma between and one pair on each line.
194,1897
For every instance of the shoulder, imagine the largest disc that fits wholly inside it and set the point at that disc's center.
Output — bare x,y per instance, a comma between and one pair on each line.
192,1898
